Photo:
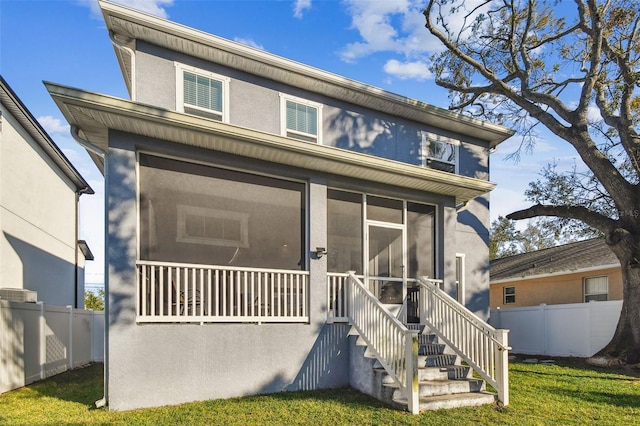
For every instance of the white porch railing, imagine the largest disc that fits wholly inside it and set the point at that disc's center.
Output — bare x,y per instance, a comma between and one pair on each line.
483,347
175,292
395,347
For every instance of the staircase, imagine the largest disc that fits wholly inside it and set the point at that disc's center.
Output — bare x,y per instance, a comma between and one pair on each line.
443,381
420,368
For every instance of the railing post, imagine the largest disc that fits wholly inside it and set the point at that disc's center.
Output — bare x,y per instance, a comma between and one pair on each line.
349,292
412,383
502,366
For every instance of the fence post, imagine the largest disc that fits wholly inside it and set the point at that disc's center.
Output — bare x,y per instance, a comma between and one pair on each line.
412,384
43,341
544,334
70,352
502,366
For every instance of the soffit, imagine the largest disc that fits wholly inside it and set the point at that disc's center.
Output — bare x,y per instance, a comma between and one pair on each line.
95,114
130,25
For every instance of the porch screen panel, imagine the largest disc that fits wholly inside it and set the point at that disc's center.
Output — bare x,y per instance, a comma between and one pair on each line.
421,240
191,213
384,209
344,236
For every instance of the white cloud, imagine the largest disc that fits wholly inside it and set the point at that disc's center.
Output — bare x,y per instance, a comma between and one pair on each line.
299,6
53,125
249,42
408,70
394,26
154,7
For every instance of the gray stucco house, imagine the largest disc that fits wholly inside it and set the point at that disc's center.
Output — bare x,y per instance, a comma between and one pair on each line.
241,187
41,256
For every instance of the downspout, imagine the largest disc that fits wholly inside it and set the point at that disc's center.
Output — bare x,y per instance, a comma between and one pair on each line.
91,147
77,261
116,42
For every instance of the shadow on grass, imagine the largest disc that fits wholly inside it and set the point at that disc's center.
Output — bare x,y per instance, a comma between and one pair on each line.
579,369
622,400
82,385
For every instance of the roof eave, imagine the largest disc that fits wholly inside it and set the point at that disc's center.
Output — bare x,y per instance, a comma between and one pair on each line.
95,114
267,65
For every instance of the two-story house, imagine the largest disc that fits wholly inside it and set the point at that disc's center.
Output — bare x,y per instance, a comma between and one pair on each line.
241,187
41,256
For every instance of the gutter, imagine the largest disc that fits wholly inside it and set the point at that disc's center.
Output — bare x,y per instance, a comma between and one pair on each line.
132,53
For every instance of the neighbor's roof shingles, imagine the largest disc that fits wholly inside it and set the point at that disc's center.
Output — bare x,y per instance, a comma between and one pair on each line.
565,258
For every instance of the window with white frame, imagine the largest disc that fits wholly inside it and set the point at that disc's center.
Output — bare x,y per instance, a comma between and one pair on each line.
596,288
440,153
509,295
301,119
202,93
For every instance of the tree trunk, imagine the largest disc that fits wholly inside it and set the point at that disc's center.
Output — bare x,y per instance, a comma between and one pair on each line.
625,344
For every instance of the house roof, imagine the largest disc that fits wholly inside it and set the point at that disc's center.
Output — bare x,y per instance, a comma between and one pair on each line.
126,25
95,114
28,122
568,258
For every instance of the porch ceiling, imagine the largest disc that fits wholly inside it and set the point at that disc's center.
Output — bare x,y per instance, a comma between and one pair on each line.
95,114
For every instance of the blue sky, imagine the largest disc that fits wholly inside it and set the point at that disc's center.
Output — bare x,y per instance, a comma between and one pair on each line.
382,43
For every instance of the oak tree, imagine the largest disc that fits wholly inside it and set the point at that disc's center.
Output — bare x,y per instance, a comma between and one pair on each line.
574,68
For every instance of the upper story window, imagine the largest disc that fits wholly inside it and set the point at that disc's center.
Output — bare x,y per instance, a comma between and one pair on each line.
596,288
300,119
202,93
439,153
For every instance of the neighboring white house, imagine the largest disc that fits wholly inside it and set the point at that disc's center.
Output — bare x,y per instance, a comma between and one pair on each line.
240,189
39,193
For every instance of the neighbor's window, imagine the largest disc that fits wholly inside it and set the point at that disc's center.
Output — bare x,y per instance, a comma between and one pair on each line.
509,295
439,153
301,119
201,93
596,288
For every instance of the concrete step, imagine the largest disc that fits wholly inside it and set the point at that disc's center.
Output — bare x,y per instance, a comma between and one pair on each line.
431,349
451,372
440,360
450,387
438,402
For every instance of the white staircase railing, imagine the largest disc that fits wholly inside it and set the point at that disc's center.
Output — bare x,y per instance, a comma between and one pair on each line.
395,347
483,347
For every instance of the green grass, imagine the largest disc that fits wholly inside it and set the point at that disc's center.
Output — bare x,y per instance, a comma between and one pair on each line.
566,393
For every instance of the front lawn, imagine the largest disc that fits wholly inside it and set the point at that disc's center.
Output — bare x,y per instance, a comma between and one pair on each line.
566,393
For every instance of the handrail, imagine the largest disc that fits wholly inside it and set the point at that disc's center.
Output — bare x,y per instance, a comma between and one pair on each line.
395,346
483,347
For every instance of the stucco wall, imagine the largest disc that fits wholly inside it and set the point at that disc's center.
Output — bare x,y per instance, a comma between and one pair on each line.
472,241
37,219
173,363
254,102
555,289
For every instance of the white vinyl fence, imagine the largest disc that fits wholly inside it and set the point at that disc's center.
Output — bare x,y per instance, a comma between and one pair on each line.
577,329
38,341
